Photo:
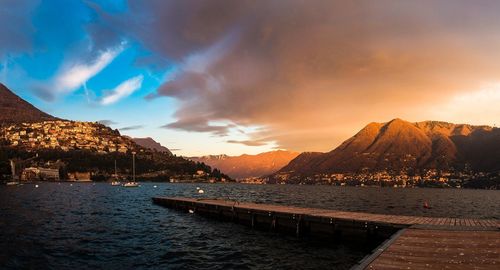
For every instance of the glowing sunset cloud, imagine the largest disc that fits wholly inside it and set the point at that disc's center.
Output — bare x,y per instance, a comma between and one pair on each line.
307,73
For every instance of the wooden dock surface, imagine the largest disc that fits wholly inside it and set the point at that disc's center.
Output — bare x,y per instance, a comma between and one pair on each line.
414,242
439,249
393,220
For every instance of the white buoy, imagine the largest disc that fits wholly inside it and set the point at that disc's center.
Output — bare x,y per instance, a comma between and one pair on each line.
197,188
201,191
70,185
191,211
155,186
36,186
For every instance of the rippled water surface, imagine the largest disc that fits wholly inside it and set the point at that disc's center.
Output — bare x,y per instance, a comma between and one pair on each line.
98,226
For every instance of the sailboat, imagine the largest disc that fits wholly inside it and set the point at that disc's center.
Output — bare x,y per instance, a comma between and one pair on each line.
12,183
133,183
116,182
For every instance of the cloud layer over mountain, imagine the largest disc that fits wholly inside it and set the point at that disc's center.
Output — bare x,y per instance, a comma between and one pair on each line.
308,73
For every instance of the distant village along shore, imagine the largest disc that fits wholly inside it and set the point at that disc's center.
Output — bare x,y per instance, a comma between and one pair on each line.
428,178
101,141
66,135
61,150
35,146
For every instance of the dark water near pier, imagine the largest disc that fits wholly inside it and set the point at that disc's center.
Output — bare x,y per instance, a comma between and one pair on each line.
87,226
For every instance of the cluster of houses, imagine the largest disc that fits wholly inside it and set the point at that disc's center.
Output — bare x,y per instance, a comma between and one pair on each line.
49,174
50,171
401,179
38,173
66,135
197,177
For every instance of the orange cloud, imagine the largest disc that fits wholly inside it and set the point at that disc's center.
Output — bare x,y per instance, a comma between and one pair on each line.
314,72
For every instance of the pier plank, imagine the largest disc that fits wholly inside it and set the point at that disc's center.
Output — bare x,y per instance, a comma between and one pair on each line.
441,249
343,215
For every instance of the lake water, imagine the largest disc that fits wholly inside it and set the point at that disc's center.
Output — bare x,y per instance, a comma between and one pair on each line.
87,226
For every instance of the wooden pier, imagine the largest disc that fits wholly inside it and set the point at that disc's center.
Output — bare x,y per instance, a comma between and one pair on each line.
437,249
411,242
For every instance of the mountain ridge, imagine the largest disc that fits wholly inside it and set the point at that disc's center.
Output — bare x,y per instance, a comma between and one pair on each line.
150,143
83,146
399,145
248,166
14,109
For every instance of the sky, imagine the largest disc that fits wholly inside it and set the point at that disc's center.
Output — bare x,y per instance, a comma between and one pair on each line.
248,76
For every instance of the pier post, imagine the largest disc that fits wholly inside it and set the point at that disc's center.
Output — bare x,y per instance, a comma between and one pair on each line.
253,220
234,217
273,223
335,231
298,229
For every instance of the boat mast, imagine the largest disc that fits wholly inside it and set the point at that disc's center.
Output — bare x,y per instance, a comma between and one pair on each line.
13,169
133,165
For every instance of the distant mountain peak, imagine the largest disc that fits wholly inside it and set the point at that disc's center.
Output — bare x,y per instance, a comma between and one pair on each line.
14,109
214,157
245,166
150,143
401,145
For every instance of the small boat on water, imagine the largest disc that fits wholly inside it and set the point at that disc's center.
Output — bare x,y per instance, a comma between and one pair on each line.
131,184
83,181
116,179
12,183
116,182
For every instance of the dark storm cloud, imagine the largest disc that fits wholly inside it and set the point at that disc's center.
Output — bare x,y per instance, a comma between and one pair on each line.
16,28
303,69
131,127
199,125
248,142
107,122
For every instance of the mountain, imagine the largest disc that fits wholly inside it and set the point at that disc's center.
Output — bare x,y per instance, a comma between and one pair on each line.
14,109
84,147
149,143
399,145
246,166
213,157
301,161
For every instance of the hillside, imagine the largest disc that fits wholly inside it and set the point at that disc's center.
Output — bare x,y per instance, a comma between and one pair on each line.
302,160
14,109
246,166
399,145
26,132
151,144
